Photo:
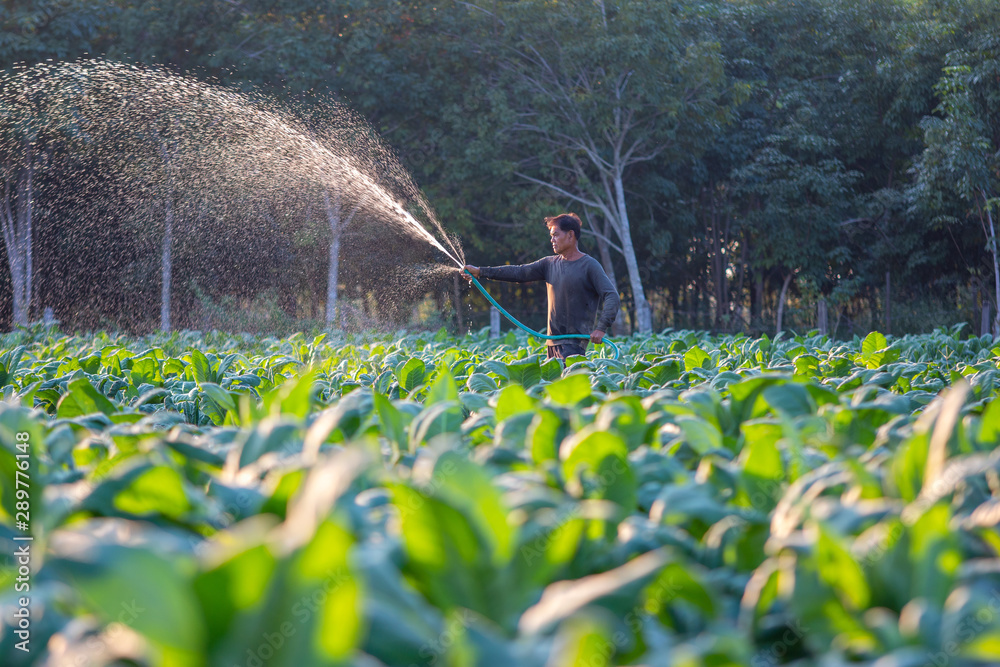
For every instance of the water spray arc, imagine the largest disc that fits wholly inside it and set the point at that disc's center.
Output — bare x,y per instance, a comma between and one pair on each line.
530,332
144,149
230,153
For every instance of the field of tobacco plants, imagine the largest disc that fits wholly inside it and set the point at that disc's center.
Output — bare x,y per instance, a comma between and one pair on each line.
210,499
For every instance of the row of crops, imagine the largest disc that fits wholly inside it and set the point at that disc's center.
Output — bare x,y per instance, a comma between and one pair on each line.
235,500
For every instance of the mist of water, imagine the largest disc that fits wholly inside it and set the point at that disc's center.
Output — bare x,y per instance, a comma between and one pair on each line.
147,135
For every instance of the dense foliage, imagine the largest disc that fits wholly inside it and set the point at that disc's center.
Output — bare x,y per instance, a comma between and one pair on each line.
212,499
720,151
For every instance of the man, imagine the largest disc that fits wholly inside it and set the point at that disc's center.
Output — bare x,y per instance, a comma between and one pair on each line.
576,283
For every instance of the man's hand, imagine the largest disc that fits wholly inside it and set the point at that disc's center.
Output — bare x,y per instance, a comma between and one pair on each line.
597,337
474,270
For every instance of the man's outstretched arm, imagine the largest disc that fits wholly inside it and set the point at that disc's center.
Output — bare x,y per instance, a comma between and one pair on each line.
518,273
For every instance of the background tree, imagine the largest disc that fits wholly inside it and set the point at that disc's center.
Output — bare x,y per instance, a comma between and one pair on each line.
16,223
772,145
582,108
31,31
963,149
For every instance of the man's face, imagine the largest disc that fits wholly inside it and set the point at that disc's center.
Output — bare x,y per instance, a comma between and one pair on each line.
561,241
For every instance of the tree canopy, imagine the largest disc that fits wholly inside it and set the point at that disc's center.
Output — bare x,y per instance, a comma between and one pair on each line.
735,162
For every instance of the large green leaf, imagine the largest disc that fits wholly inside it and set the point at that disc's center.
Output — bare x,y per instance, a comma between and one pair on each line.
595,465
410,374
9,362
544,434
392,421
467,486
21,449
570,390
481,383
269,435
702,435
337,625
511,401
157,490
149,592
221,398
444,551
294,397
872,343
695,357
838,569
81,398
443,388
789,398
345,418
934,554
875,352
989,425
145,371
440,418
551,369
763,469
664,372
526,373
626,417
616,589
232,589
201,368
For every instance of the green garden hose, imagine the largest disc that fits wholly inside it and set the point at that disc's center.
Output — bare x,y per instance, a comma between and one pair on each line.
530,332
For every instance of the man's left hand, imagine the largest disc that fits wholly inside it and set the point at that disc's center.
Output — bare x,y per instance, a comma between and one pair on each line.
597,337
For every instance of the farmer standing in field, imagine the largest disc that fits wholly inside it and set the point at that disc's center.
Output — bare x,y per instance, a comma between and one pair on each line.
576,283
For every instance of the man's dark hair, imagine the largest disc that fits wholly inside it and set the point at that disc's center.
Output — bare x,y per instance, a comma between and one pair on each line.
568,222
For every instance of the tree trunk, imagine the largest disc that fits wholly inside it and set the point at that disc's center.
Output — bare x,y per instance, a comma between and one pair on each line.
494,322
166,261
643,316
675,305
337,224
741,307
757,303
618,328
996,262
27,222
16,223
166,250
888,305
457,295
822,321
697,292
718,265
781,301
705,305
333,269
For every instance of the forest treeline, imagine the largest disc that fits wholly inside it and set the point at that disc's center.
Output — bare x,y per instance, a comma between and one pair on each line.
740,165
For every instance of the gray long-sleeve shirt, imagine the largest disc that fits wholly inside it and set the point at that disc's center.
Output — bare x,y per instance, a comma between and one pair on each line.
575,288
